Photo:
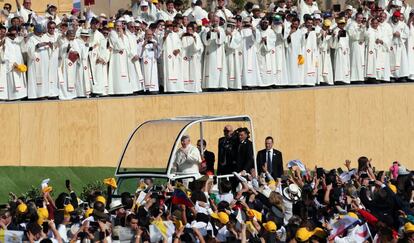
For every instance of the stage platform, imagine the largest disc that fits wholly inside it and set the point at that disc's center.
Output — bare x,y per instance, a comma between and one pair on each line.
321,126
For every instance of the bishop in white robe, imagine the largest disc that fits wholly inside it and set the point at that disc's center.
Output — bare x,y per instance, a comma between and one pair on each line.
172,61
340,43
53,37
84,86
325,72
99,60
14,87
134,66
294,52
281,77
356,32
215,66
118,76
251,70
233,55
149,51
266,54
398,49
38,49
192,68
69,70
311,54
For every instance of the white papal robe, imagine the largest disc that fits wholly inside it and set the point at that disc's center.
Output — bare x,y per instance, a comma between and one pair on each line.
357,45
149,55
192,68
38,69
266,56
173,81
118,76
53,77
251,70
398,51
215,66
342,67
16,84
234,60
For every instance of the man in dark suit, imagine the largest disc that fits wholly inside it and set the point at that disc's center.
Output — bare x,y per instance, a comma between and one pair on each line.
271,159
245,159
226,151
208,157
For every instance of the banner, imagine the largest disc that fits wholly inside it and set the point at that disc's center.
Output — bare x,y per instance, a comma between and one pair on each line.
10,236
77,4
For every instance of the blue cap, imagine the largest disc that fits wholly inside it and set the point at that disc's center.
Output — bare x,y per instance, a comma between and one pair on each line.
38,28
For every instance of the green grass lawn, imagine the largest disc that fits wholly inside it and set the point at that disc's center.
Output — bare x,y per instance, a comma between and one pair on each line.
20,179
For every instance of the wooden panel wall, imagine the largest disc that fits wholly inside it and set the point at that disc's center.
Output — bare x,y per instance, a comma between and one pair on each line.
321,126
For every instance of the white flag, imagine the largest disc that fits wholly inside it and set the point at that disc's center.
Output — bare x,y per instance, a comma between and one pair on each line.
11,236
361,233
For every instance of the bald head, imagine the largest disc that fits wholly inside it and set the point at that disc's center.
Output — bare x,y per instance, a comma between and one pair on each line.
228,131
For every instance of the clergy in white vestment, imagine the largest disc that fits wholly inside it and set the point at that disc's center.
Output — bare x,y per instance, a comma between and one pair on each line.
172,59
233,55
99,59
256,15
311,52
51,14
398,50
280,52
384,55
69,70
294,54
3,64
38,50
53,37
215,66
192,53
222,11
340,44
250,68
149,51
410,47
84,86
118,77
374,66
147,11
307,7
356,33
266,54
325,72
160,13
14,87
25,11
170,10
197,13
134,66
187,158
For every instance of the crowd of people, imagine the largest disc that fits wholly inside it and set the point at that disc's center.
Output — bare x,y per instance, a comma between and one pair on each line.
350,205
159,46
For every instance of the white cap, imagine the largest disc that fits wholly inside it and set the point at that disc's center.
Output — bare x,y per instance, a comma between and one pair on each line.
102,15
349,7
255,7
143,3
317,16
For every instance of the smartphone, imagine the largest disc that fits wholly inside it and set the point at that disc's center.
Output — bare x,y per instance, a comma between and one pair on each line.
336,7
319,172
340,171
215,180
45,227
67,183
